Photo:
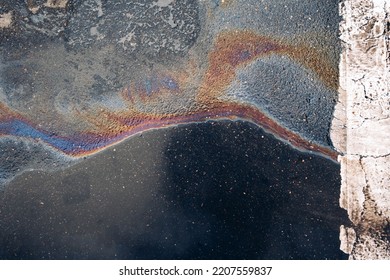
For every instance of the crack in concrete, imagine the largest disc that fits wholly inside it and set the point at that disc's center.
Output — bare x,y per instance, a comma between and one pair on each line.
363,138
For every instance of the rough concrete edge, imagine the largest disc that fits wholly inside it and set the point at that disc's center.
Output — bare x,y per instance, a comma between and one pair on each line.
361,128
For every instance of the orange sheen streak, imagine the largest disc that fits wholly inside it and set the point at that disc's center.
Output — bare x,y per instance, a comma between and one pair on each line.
232,50
236,49
5,112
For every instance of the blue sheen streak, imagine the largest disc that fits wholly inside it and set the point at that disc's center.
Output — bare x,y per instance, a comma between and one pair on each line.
148,87
170,83
21,129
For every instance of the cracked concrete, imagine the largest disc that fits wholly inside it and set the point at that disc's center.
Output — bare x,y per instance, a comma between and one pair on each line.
361,128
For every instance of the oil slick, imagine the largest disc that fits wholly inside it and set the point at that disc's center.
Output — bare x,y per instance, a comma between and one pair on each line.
188,88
